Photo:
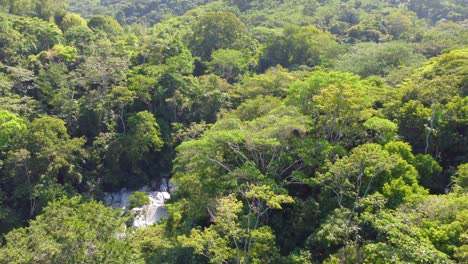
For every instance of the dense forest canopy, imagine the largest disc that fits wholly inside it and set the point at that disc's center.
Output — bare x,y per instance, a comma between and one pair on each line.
295,131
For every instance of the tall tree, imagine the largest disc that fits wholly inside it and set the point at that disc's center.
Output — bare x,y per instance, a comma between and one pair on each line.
70,230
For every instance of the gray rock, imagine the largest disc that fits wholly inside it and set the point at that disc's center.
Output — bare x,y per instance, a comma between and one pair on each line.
146,215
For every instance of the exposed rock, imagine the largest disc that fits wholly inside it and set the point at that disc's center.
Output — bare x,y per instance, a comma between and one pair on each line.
148,214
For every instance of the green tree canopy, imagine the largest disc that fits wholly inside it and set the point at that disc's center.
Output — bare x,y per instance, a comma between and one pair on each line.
218,30
70,230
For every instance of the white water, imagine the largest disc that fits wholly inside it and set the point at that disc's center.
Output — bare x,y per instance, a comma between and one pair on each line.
148,214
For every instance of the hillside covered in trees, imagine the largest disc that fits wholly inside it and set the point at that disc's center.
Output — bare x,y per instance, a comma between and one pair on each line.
295,131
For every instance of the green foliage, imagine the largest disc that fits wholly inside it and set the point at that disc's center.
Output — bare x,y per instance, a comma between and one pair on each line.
428,170
11,129
371,169
218,30
438,10
461,179
65,53
118,99
279,122
402,149
339,103
366,59
162,45
105,24
72,20
69,230
439,79
385,129
237,152
45,9
399,24
339,227
370,29
135,11
24,36
226,240
299,46
445,35
274,82
401,242
139,199
43,165
413,116
143,134
155,245
436,225
229,64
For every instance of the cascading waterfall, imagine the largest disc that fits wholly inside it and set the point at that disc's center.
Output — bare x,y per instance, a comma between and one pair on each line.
149,214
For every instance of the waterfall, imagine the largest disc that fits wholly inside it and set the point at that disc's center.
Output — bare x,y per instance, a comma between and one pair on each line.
149,214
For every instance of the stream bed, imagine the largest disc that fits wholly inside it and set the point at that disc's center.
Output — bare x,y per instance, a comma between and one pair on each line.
149,214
